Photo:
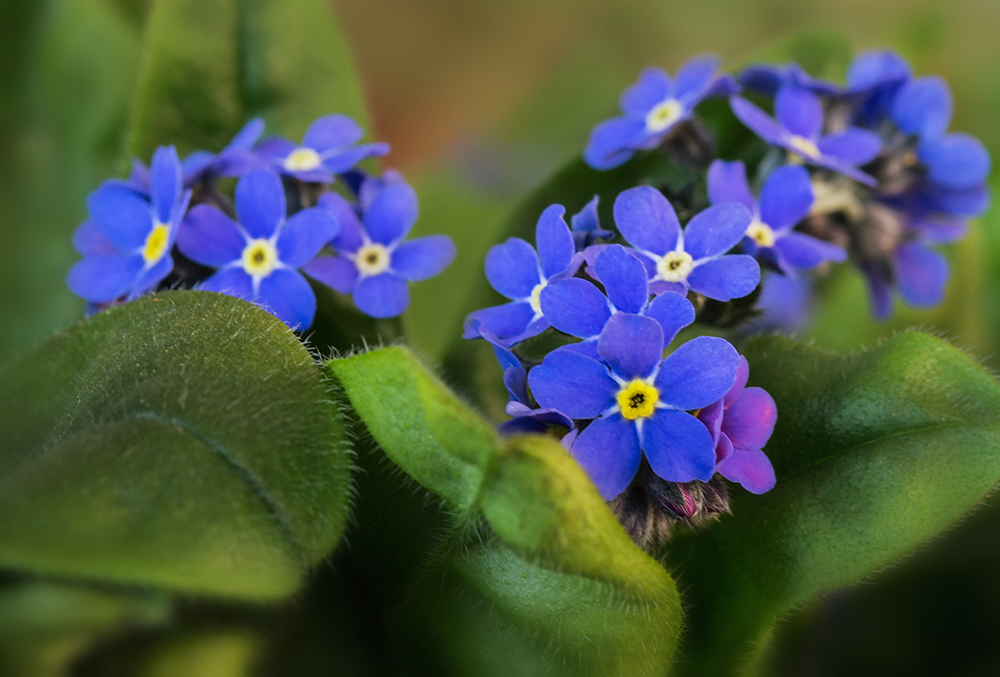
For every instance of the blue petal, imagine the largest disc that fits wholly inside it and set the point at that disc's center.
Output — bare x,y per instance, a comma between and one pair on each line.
332,132
576,385
673,311
922,274
608,451
750,468
232,281
122,215
275,149
716,230
614,141
727,182
209,237
88,240
587,219
853,146
587,347
246,137
805,251
624,278
335,272
515,378
652,88
554,241
799,111
837,165
512,268
349,239
955,160
698,373
304,235
964,202
923,106
786,198
678,446
423,258
150,277
260,203
694,79
879,294
392,213
762,124
728,277
875,67
632,345
750,418
647,220
343,162
506,321
576,307
381,295
101,279
166,180
287,295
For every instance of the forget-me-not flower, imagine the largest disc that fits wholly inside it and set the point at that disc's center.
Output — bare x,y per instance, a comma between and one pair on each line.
586,226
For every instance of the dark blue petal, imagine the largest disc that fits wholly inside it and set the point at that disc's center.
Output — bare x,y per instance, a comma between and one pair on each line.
762,124
88,240
608,450
101,279
614,141
423,258
304,235
805,251
698,373
716,230
875,67
673,311
349,239
727,182
381,295
853,146
879,294
576,307
786,198
512,268
332,132
197,164
166,180
506,321
749,468
694,79
260,203
799,111
515,378
587,219
923,106
647,220
624,278
652,88
964,202
209,237
955,160
576,385
232,281
762,78
287,295
554,241
728,277
941,230
335,272
632,345
122,215
678,446
749,420
922,274
392,213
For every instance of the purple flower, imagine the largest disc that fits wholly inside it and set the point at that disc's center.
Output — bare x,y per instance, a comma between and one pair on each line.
741,423
128,239
586,226
327,149
653,107
373,263
798,129
577,307
516,271
258,258
768,79
638,401
692,259
785,200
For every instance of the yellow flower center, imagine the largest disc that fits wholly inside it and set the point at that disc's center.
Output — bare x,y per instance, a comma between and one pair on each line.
804,147
260,258
372,259
638,399
536,297
761,233
675,266
664,115
303,160
156,243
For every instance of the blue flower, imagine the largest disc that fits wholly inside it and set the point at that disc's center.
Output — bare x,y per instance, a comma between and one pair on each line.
653,107
258,258
586,226
638,401
785,200
577,307
516,271
327,149
128,239
798,129
768,79
918,271
692,259
785,304
875,77
373,263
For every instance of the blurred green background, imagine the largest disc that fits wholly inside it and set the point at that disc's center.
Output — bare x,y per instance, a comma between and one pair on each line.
481,100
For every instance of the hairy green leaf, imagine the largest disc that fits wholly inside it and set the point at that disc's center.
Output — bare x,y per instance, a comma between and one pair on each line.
875,452
185,441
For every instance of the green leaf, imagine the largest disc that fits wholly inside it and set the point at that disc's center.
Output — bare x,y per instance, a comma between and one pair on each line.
536,576
184,441
875,452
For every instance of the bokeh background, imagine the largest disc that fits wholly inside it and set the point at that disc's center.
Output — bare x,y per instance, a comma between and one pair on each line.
481,100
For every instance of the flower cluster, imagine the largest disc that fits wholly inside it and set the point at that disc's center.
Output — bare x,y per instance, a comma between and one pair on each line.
171,225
